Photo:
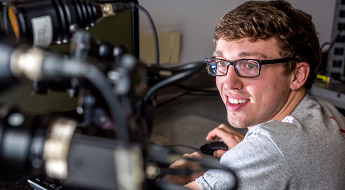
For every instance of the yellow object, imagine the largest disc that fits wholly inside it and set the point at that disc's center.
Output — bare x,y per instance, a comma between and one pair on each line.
323,78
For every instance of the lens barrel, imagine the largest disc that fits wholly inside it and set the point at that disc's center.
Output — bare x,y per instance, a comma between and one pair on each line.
48,22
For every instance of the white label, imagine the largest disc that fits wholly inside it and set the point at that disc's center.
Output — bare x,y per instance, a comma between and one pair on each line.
42,30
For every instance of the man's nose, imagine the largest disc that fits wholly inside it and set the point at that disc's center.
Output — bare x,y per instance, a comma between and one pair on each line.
232,80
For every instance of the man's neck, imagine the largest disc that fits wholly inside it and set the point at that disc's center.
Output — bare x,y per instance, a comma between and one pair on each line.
295,97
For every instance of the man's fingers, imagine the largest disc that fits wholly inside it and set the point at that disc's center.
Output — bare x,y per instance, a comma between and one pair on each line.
229,130
184,163
216,132
212,135
222,131
218,153
178,164
230,137
232,140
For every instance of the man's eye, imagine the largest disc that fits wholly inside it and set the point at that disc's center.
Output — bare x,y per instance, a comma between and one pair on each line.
251,65
221,63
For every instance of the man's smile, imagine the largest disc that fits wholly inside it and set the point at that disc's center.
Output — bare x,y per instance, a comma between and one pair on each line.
237,101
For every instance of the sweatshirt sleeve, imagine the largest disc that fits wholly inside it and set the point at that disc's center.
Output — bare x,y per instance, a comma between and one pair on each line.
257,163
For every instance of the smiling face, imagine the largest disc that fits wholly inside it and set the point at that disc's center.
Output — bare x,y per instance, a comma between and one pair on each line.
250,101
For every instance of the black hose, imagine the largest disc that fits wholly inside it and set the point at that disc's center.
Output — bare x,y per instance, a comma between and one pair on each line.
154,32
173,79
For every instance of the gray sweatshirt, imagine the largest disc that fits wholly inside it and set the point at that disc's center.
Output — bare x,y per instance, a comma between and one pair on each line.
306,150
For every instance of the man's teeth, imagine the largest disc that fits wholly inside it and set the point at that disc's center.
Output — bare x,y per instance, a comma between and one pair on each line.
236,101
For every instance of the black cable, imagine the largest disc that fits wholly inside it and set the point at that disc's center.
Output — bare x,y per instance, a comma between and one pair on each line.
197,89
185,94
173,79
177,171
186,146
326,52
331,43
181,67
163,155
323,45
209,162
154,32
199,92
168,186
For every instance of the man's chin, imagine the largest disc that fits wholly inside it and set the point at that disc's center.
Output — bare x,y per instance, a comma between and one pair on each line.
237,124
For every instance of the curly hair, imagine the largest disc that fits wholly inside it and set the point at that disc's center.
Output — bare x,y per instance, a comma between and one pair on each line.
292,28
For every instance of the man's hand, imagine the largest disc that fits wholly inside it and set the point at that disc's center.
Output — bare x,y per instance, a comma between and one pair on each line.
184,163
230,137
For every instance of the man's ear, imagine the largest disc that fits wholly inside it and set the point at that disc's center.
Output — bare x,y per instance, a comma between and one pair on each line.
299,75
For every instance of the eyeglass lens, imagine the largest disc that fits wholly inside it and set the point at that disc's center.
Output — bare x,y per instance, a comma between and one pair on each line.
245,67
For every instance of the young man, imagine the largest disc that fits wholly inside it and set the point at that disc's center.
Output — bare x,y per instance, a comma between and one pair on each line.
266,58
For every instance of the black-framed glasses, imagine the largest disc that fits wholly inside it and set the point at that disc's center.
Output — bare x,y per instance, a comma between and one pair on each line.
248,68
